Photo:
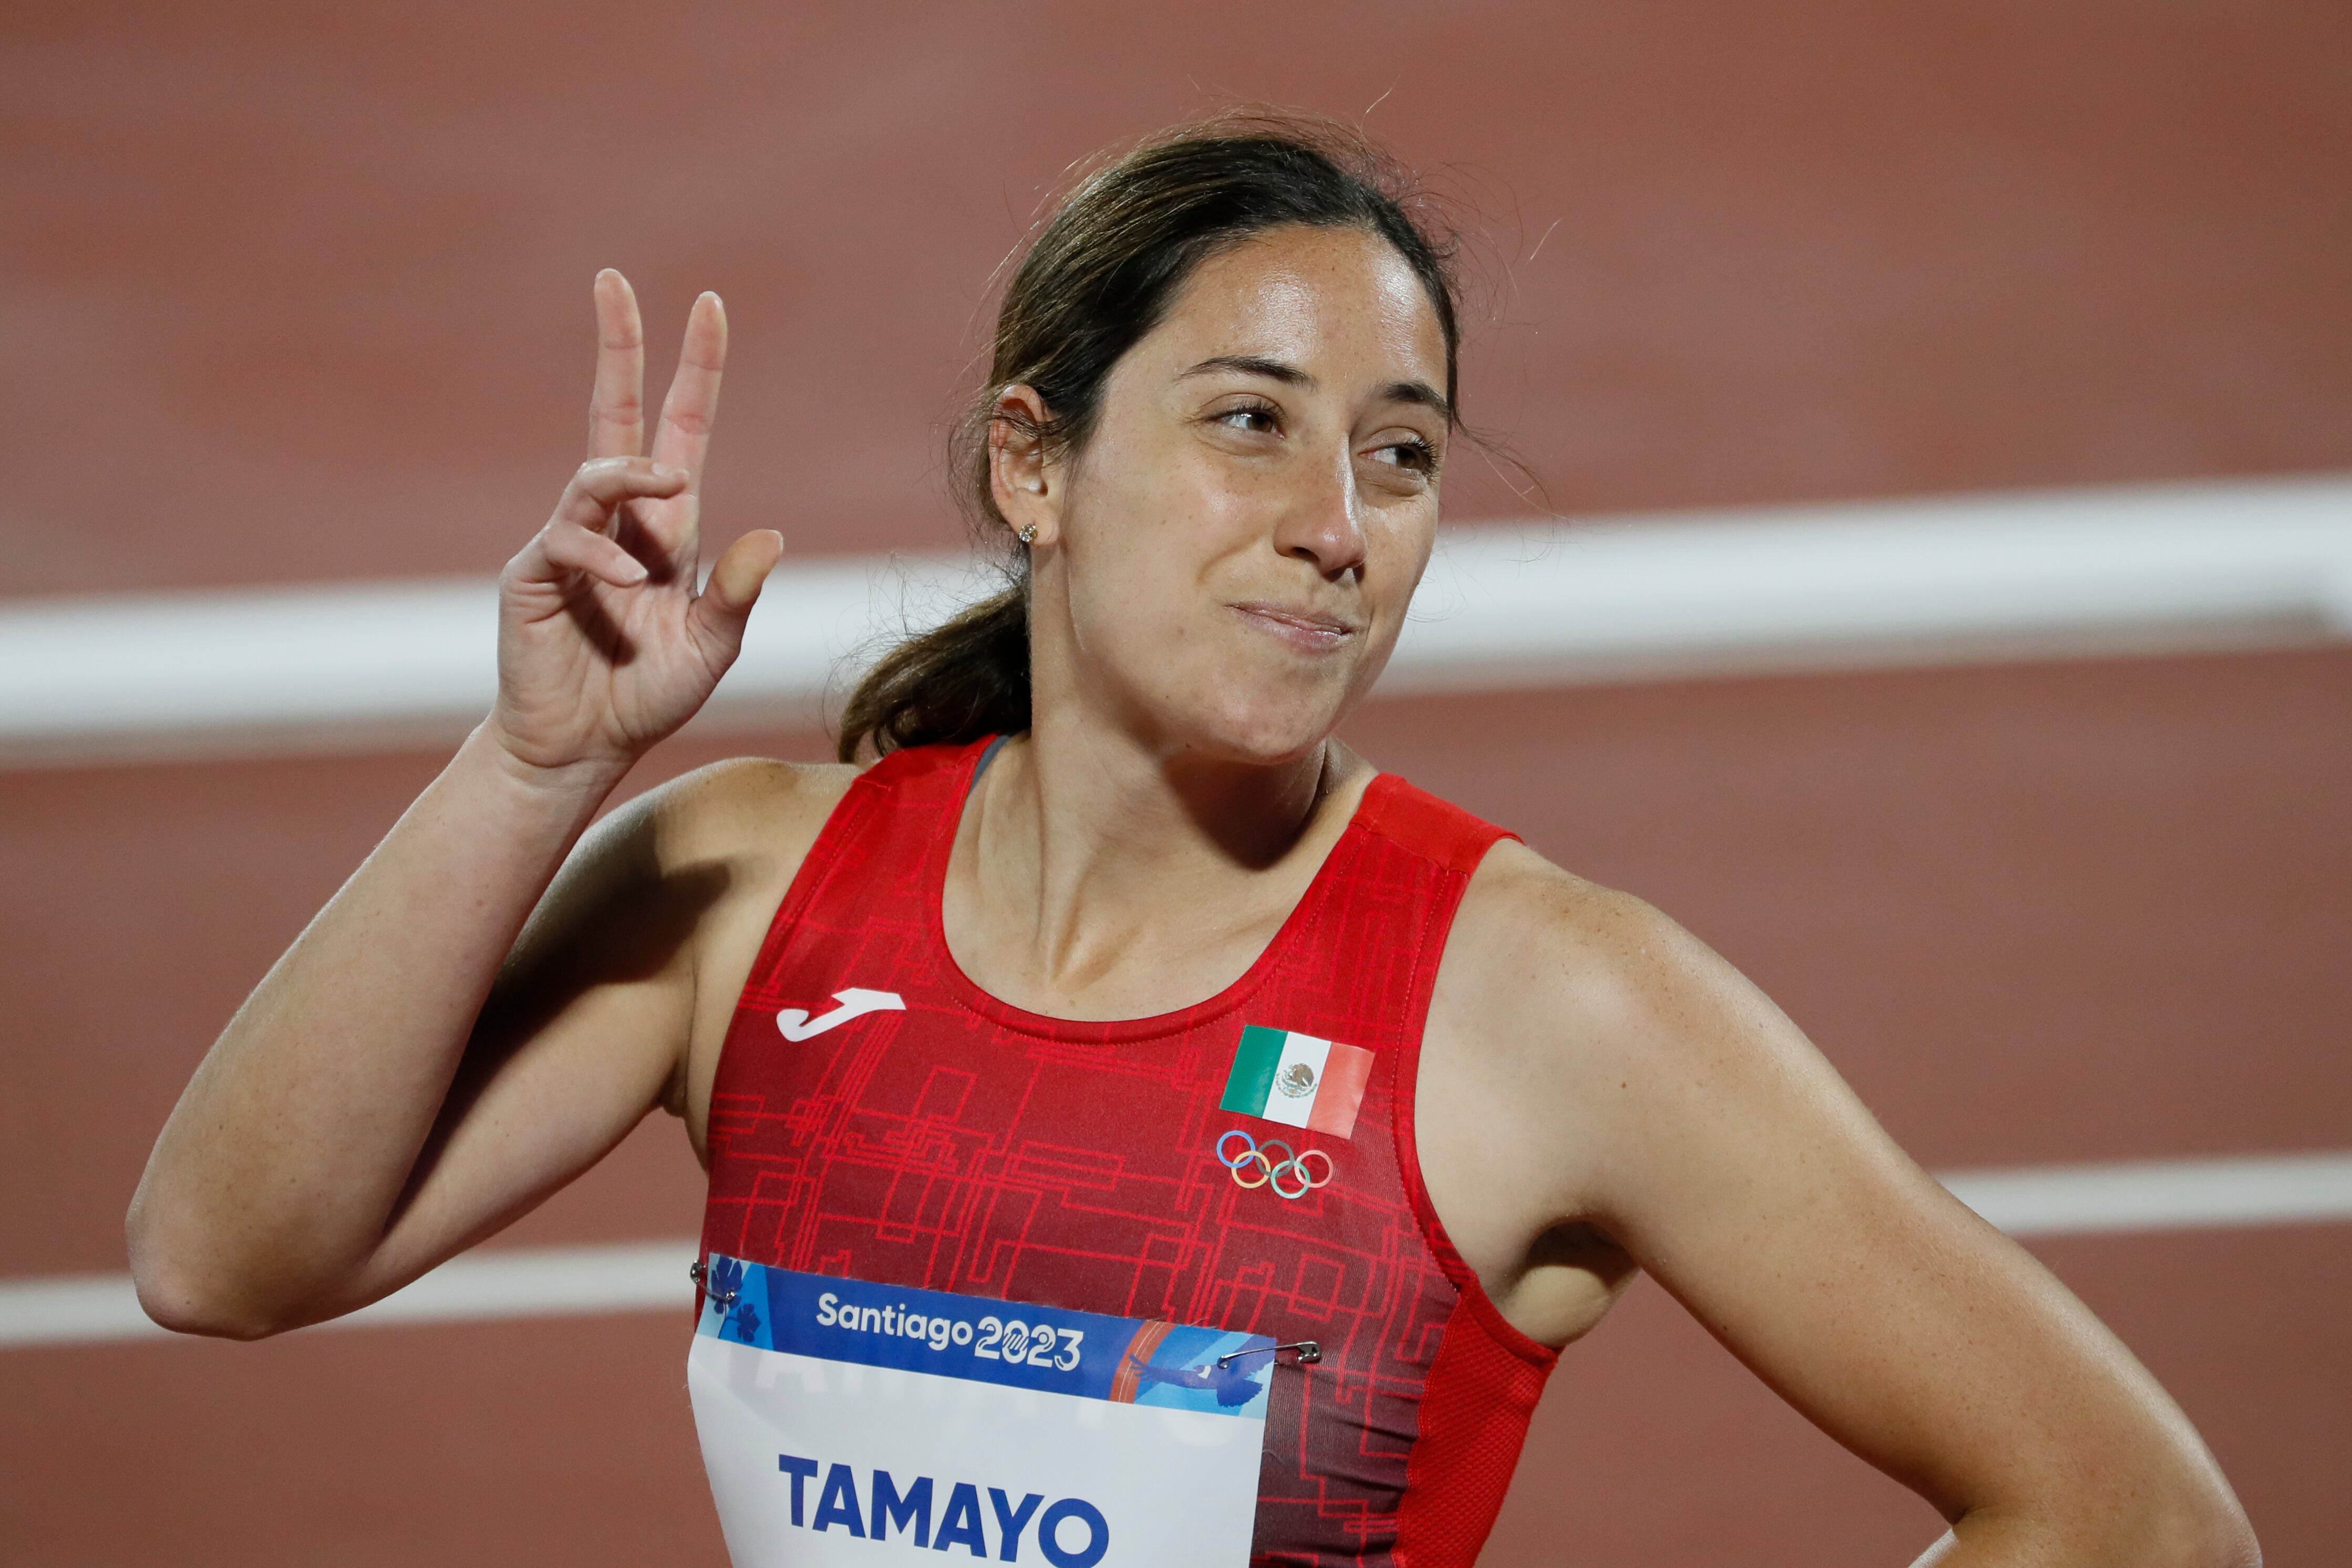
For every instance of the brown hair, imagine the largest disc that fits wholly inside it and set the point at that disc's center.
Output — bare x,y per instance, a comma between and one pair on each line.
1097,279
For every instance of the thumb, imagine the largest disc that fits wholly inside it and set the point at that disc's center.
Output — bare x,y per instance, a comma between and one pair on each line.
734,587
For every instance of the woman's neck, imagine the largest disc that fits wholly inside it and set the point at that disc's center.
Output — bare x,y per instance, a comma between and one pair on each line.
1093,878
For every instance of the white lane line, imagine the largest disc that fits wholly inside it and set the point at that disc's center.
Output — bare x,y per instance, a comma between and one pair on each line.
1955,579
2159,1194
560,1281
520,1282
2149,569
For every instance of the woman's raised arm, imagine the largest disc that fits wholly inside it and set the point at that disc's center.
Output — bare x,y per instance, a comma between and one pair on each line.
362,1117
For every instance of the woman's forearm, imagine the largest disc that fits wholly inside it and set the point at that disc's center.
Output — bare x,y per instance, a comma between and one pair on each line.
281,1164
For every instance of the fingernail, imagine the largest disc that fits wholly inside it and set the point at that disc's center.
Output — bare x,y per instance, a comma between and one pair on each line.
635,572
664,471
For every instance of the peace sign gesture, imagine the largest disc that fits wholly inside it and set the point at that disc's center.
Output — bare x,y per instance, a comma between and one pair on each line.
604,645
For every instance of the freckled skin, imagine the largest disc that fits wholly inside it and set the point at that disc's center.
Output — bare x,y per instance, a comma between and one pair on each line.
1201,492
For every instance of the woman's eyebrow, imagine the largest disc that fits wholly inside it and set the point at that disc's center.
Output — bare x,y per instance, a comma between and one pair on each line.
1252,364
1419,392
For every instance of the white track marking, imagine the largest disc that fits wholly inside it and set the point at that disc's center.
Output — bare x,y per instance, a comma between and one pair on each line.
2156,568
520,1282
2158,1194
563,1281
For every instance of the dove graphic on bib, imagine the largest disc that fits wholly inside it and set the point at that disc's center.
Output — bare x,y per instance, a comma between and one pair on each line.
795,1024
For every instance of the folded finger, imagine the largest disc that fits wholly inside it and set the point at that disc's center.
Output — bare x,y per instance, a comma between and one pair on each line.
684,434
603,483
616,415
564,547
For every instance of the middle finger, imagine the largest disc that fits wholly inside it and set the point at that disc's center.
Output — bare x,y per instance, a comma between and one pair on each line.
684,437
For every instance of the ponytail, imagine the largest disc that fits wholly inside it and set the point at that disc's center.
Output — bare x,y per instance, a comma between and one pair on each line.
956,683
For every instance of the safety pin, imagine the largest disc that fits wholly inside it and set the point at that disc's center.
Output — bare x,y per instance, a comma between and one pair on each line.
1309,1353
700,1275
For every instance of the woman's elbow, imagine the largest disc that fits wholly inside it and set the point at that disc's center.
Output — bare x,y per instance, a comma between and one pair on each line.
2194,1522
182,1288
2210,1530
177,1300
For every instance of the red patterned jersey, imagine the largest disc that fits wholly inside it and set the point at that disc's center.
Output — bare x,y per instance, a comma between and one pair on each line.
955,1142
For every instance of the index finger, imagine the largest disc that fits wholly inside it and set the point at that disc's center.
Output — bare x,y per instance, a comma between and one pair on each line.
684,435
617,413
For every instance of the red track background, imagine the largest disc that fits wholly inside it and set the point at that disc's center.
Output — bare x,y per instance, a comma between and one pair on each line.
292,293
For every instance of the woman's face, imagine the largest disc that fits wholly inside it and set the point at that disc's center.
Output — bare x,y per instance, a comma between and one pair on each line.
1224,566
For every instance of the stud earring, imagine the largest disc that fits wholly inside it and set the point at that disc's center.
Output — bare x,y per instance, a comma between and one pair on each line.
1029,534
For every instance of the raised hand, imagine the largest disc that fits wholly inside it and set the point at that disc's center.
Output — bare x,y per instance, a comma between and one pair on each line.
604,646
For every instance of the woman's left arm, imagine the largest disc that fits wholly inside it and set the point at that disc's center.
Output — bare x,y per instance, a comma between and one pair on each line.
1656,1095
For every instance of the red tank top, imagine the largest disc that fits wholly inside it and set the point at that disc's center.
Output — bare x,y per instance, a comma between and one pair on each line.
964,1144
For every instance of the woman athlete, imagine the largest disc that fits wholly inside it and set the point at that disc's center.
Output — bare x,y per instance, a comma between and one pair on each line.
1277,1120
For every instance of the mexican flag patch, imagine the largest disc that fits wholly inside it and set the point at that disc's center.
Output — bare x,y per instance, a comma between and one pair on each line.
1298,1080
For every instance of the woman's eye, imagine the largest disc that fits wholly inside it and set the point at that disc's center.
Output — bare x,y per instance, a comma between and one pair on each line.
1258,421
1414,456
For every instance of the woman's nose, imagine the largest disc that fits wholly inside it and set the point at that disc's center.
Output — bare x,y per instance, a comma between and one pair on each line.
1321,521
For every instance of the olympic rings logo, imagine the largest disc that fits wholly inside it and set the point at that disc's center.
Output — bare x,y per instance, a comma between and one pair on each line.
1273,1172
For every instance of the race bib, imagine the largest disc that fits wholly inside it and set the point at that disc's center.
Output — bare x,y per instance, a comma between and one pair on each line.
850,1424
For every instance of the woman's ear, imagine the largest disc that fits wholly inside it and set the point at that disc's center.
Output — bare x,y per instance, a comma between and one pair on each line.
1022,477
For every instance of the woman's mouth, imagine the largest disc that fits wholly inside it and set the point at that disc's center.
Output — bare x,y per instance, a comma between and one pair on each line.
1308,631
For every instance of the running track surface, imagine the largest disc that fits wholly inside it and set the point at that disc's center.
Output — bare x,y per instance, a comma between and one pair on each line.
306,300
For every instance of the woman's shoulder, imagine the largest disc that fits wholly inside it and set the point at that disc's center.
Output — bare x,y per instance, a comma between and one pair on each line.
735,829
1517,889
1593,1042
719,846
1530,939
745,808
1542,956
